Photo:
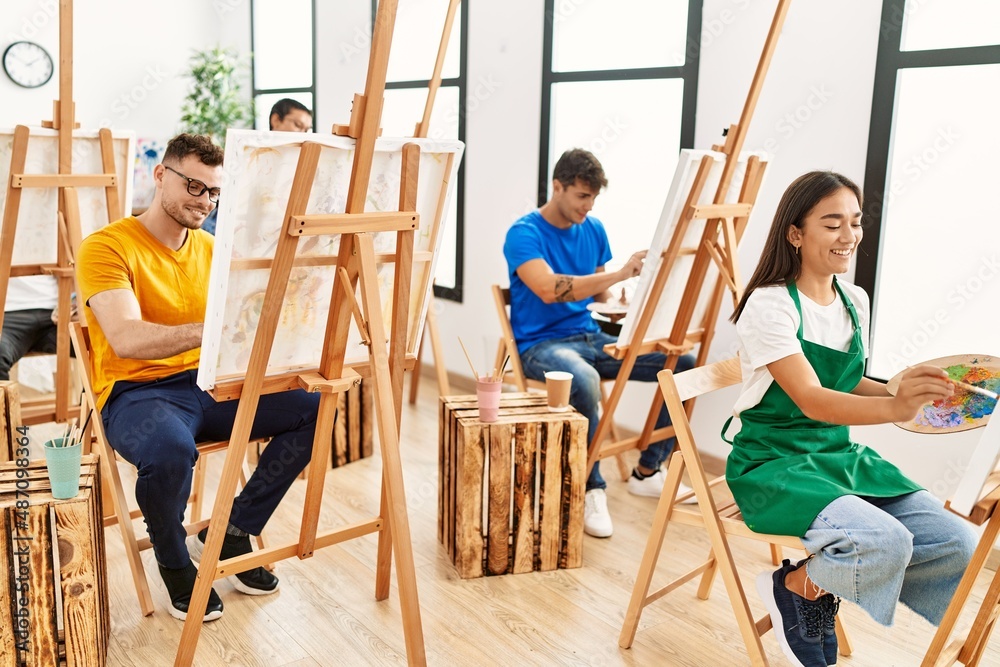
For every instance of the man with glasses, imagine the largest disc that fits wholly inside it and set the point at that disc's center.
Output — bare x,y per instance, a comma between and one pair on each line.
144,283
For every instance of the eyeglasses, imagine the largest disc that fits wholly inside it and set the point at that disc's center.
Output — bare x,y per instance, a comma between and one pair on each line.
196,188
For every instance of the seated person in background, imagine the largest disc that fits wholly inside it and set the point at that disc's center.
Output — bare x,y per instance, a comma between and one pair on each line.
27,320
876,537
555,258
144,284
287,115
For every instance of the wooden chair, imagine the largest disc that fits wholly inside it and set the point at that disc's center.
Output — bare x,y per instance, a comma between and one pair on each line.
515,374
720,519
123,516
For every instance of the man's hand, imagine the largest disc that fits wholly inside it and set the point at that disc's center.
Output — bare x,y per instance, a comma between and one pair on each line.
632,267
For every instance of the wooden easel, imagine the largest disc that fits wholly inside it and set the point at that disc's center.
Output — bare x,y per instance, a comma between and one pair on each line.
430,326
357,263
722,218
969,650
68,231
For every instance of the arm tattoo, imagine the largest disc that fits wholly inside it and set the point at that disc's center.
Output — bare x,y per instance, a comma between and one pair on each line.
564,289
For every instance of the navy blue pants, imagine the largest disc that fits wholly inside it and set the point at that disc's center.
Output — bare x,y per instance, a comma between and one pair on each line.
25,331
154,426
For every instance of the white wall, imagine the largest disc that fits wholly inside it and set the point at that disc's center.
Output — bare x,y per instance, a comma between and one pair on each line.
813,114
129,59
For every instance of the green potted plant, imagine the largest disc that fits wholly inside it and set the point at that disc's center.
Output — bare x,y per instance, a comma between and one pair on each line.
214,103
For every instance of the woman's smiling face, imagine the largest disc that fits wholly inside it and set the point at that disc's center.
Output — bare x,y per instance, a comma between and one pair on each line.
829,235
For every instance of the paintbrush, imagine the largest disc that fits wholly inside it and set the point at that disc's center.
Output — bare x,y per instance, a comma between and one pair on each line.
468,358
503,367
974,389
966,386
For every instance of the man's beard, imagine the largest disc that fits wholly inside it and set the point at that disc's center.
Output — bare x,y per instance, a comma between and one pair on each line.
182,216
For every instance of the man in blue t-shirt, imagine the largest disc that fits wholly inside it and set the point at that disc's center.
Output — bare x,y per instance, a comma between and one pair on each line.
555,258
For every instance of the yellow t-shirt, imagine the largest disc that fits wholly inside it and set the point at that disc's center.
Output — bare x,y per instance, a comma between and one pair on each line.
170,286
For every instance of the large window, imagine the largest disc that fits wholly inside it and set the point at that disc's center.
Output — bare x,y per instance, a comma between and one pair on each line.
284,55
415,40
624,89
931,253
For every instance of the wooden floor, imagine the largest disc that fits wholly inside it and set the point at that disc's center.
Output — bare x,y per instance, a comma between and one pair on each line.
325,612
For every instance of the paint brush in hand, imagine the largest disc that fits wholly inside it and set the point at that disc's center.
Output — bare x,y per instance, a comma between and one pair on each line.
974,389
965,385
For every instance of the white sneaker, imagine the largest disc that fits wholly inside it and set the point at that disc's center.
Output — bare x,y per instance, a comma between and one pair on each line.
596,520
652,487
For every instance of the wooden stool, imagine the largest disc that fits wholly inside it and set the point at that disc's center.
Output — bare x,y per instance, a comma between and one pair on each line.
528,447
55,548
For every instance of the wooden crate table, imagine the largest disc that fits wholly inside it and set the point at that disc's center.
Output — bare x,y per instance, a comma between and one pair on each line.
54,606
510,493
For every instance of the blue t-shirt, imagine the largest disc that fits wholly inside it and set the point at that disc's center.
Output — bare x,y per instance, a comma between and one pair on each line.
577,251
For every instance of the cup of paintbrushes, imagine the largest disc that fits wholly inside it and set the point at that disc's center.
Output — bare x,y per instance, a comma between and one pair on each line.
62,458
488,397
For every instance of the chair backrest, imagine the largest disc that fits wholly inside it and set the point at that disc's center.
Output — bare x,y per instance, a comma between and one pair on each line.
79,336
501,297
689,385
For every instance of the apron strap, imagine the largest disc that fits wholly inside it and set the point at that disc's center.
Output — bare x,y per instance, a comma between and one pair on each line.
725,427
793,291
848,304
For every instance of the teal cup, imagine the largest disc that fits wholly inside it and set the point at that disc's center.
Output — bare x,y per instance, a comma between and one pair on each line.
63,464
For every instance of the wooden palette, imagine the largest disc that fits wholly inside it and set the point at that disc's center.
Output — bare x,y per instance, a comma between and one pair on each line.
963,410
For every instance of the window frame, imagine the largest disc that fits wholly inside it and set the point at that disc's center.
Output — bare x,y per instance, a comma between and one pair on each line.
461,82
255,92
688,72
890,60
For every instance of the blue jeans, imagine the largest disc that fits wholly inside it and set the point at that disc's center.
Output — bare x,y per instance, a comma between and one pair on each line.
154,426
25,331
877,551
583,355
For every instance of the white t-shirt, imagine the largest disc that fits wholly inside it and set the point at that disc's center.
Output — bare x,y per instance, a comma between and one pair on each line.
767,331
30,292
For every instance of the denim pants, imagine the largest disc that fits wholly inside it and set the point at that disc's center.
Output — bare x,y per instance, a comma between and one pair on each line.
877,551
583,355
25,331
154,426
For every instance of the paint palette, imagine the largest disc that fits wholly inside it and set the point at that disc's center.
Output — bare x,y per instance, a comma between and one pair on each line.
964,409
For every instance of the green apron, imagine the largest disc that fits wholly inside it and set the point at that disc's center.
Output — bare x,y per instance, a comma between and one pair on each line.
785,467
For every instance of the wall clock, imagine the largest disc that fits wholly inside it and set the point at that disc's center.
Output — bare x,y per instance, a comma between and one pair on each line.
27,64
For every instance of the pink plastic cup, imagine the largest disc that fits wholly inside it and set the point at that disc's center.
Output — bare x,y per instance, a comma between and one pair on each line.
488,399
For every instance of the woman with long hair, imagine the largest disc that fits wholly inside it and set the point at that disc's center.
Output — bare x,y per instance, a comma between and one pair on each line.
875,537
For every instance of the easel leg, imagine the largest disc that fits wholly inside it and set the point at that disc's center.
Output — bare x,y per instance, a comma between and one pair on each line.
392,467
961,595
982,627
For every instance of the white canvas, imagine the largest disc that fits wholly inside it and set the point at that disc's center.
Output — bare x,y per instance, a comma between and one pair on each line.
35,240
258,173
984,460
670,300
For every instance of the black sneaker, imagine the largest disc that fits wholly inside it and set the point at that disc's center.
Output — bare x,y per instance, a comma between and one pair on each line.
830,604
798,622
180,585
257,581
